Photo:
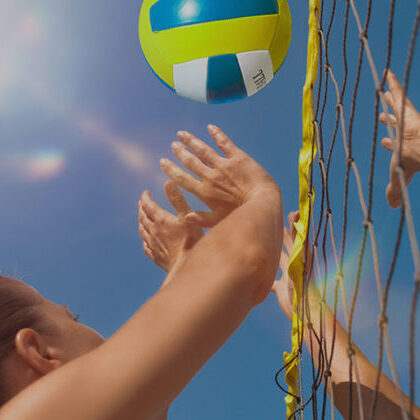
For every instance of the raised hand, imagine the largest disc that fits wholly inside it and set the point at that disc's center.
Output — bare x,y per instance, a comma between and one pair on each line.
222,183
410,138
167,238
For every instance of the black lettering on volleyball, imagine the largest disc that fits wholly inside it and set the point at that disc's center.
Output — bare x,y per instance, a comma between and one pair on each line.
260,79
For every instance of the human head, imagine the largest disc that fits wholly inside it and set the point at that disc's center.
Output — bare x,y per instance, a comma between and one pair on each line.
36,337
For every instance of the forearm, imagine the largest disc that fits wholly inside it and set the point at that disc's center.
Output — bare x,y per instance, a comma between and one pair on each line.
388,403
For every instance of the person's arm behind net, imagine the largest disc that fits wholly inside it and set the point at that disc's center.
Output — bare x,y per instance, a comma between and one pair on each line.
388,405
140,370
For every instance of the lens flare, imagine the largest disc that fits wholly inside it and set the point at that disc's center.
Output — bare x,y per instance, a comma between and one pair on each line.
367,297
129,153
29,35
34,167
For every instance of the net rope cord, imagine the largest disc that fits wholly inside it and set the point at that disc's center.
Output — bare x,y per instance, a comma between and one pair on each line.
296,404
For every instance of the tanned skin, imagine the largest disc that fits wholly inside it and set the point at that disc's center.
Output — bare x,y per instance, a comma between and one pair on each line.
388,403
410,137
126,377
140,370
179,236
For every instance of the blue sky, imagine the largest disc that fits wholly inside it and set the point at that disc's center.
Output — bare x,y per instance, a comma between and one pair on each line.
83,123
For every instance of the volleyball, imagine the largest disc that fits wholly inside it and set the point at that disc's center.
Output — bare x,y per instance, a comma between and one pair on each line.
215,51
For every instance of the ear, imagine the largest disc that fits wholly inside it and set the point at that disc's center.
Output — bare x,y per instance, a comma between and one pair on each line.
35,352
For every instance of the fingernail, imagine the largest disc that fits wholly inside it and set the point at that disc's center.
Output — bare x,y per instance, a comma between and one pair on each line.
164,162
212,128
176,145
181,133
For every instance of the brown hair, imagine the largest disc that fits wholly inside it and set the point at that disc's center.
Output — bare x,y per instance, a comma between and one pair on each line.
18,310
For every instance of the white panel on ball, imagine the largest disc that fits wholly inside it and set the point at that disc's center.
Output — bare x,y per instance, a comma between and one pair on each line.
190,79
257,69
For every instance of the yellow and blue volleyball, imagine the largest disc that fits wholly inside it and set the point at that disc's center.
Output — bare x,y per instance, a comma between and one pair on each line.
215,51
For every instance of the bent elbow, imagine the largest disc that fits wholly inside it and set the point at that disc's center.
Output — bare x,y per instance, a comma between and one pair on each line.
258,274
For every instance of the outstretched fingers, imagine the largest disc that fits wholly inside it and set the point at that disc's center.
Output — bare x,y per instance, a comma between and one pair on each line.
145,228
203,151
177,199
284,262
395,96
152,246
388,119
149,207
145,224
224,143
390,101
190,161
180,177
148,251
396,93
388,144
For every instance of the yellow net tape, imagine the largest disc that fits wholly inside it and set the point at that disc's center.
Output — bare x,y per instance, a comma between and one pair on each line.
307,154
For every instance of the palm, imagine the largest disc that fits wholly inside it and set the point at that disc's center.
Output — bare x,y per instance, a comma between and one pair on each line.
167,239
180,237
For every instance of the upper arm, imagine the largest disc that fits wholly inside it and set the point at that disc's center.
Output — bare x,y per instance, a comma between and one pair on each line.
88,388
173,335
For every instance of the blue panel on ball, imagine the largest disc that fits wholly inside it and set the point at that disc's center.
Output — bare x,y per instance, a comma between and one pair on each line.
224,80
168,14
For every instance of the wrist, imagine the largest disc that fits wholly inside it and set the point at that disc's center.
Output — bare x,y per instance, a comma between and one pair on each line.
178,262
267,192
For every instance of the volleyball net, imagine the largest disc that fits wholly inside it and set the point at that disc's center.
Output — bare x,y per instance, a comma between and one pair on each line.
334,76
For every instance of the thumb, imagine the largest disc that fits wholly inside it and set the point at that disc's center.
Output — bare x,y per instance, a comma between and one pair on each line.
393,194
393,191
